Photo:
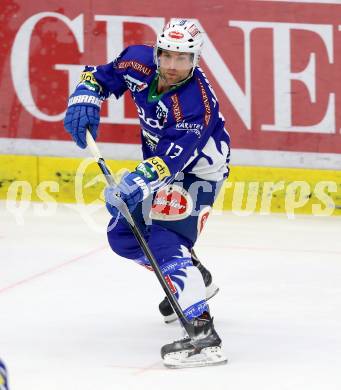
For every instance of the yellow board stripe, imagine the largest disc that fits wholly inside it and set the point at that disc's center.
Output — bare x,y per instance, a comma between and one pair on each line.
249,189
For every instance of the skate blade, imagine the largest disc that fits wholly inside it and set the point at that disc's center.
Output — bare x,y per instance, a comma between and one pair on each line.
211,356
211,291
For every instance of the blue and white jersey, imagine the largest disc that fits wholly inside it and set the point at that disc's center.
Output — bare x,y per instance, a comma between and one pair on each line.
183,126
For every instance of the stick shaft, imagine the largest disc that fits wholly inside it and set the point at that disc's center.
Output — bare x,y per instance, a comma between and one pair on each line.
139,237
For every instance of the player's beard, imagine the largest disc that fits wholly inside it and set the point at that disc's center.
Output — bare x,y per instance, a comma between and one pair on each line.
164,78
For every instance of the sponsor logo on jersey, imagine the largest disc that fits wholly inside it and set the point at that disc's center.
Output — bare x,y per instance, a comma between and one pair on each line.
161,112
133,84
214,96
205,101
177,112
190,127
193,30
171,203
141,68
175,34
159,166
88,76
89,81
146,171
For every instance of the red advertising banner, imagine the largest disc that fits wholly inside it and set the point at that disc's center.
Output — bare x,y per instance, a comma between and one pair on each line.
275,66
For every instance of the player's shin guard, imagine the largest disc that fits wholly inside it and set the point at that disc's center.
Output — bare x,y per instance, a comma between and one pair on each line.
211,290
186,283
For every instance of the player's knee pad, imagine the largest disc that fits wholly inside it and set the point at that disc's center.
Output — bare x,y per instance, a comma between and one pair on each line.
165,244
122,241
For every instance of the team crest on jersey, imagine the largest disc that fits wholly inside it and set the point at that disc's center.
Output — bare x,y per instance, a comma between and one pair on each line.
171,203
134,85
154,123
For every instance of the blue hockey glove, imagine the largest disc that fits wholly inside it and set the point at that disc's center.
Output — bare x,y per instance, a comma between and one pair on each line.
132,189
3,376
82,114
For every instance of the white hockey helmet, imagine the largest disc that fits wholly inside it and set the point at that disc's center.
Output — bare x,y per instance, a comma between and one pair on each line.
180,35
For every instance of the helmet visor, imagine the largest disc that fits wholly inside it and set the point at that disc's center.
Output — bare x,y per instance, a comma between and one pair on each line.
174,60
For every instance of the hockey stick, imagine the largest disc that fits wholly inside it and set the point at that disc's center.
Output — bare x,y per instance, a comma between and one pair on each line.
123,208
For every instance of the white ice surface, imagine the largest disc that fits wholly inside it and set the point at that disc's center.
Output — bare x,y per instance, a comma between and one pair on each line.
74,316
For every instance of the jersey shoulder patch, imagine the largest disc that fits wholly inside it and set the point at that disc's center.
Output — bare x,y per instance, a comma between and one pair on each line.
136,58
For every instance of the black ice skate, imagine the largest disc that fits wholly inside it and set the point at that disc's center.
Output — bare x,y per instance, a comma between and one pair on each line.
203,349
211,290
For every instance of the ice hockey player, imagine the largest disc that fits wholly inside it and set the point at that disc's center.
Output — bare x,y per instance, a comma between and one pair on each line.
170,193
3,376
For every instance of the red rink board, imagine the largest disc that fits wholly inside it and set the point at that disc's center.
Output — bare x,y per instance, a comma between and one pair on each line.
275,66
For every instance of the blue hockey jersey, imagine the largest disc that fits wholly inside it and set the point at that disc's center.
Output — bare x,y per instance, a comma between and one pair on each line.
182,126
